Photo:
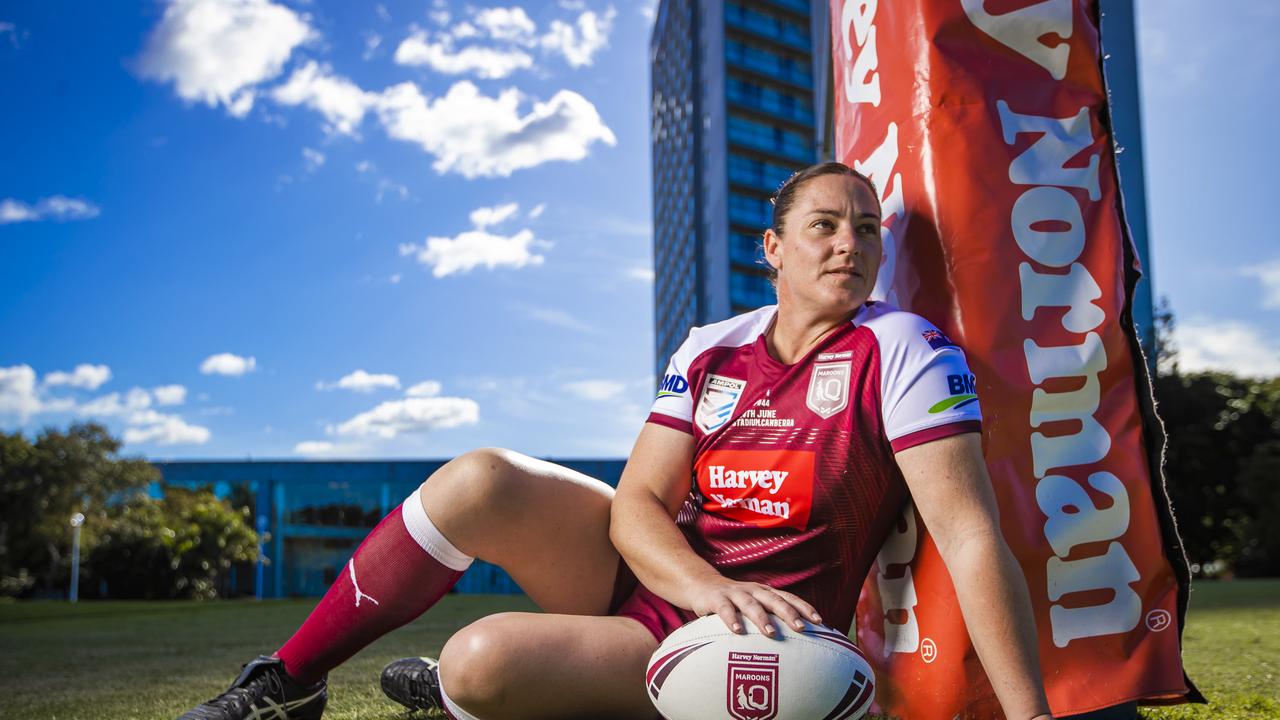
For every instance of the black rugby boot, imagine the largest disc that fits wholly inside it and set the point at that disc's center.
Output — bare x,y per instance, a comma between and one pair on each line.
264,691
414,683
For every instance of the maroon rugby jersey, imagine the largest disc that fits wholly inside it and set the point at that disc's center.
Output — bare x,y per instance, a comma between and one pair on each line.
794,480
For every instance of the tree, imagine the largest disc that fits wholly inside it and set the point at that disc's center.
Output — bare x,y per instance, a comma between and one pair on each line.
179,546
1222,460
42,484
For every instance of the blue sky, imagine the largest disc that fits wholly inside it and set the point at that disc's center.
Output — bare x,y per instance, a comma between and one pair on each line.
411,228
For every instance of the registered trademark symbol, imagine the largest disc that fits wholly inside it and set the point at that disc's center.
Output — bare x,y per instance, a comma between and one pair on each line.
1158,620
928,650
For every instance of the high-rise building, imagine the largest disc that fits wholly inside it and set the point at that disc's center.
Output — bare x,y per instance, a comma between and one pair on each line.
732,117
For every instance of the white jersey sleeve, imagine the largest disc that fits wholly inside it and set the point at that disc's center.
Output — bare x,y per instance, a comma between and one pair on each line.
926,389
674,404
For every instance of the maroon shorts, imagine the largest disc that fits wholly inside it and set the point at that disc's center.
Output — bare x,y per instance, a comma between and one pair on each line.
635,601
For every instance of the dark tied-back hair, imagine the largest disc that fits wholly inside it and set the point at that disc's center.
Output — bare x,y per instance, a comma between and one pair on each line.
786,196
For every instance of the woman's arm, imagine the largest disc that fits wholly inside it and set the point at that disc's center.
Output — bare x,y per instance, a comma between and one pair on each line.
949,484
654,485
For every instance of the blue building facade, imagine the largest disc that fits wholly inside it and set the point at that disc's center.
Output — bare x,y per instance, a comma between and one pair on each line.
312,514
732,118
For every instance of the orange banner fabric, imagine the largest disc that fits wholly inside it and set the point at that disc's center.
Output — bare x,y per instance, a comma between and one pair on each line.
984,126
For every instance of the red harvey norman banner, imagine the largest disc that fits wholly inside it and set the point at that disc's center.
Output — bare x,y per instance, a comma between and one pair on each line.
983,125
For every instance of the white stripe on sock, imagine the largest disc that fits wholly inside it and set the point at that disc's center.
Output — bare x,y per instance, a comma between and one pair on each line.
429,536
451,707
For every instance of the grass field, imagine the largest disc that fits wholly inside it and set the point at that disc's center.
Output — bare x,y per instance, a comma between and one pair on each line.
152,661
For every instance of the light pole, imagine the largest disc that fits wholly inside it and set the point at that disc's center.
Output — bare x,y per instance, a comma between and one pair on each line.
76,521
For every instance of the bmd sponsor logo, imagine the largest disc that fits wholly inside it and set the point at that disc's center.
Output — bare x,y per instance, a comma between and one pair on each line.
765,488
673,385
963,390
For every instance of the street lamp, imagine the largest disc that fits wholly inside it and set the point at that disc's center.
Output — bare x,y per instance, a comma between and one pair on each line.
76,521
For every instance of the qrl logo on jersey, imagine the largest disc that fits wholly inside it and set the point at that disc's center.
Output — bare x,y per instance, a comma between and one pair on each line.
765,488
753,686
828,389
720,396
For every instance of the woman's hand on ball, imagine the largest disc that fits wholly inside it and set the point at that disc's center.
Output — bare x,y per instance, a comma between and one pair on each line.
729,598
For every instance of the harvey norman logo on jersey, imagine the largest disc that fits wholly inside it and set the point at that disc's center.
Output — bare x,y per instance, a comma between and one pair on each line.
766,488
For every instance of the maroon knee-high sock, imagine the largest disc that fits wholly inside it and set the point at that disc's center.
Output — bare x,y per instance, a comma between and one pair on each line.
403,567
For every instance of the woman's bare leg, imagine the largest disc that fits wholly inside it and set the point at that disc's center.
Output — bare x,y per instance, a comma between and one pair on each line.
520,666
546,525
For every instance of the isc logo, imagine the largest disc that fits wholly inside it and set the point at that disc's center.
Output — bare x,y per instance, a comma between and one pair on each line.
962,384
673,385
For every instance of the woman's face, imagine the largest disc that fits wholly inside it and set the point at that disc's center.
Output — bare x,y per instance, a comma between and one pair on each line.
829,253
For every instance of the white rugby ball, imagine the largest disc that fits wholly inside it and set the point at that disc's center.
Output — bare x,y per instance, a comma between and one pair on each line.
704,671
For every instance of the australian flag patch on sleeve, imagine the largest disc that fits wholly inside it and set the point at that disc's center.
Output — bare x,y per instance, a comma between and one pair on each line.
936,339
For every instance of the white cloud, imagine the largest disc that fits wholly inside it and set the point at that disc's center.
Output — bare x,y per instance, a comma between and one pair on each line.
480,136
475,248
217,51
537,211
58,208
442,57
484,217
643,274
362,382
341,102
579,44
85,376
117,405
466,131
598,390
426,388
559,318
1269,275
169,394
8,28
509,24
394,279
228,364
1205,344
165,430
18,392
411,415
143,424
372,41
387,186
321,448
313,158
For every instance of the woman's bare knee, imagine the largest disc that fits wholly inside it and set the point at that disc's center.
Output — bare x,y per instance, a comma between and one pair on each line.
475,477
477,665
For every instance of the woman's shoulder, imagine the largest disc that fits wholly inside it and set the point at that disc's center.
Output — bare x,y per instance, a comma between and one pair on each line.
894,326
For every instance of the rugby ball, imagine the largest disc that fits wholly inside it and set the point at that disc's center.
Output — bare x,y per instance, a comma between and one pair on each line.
704,671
